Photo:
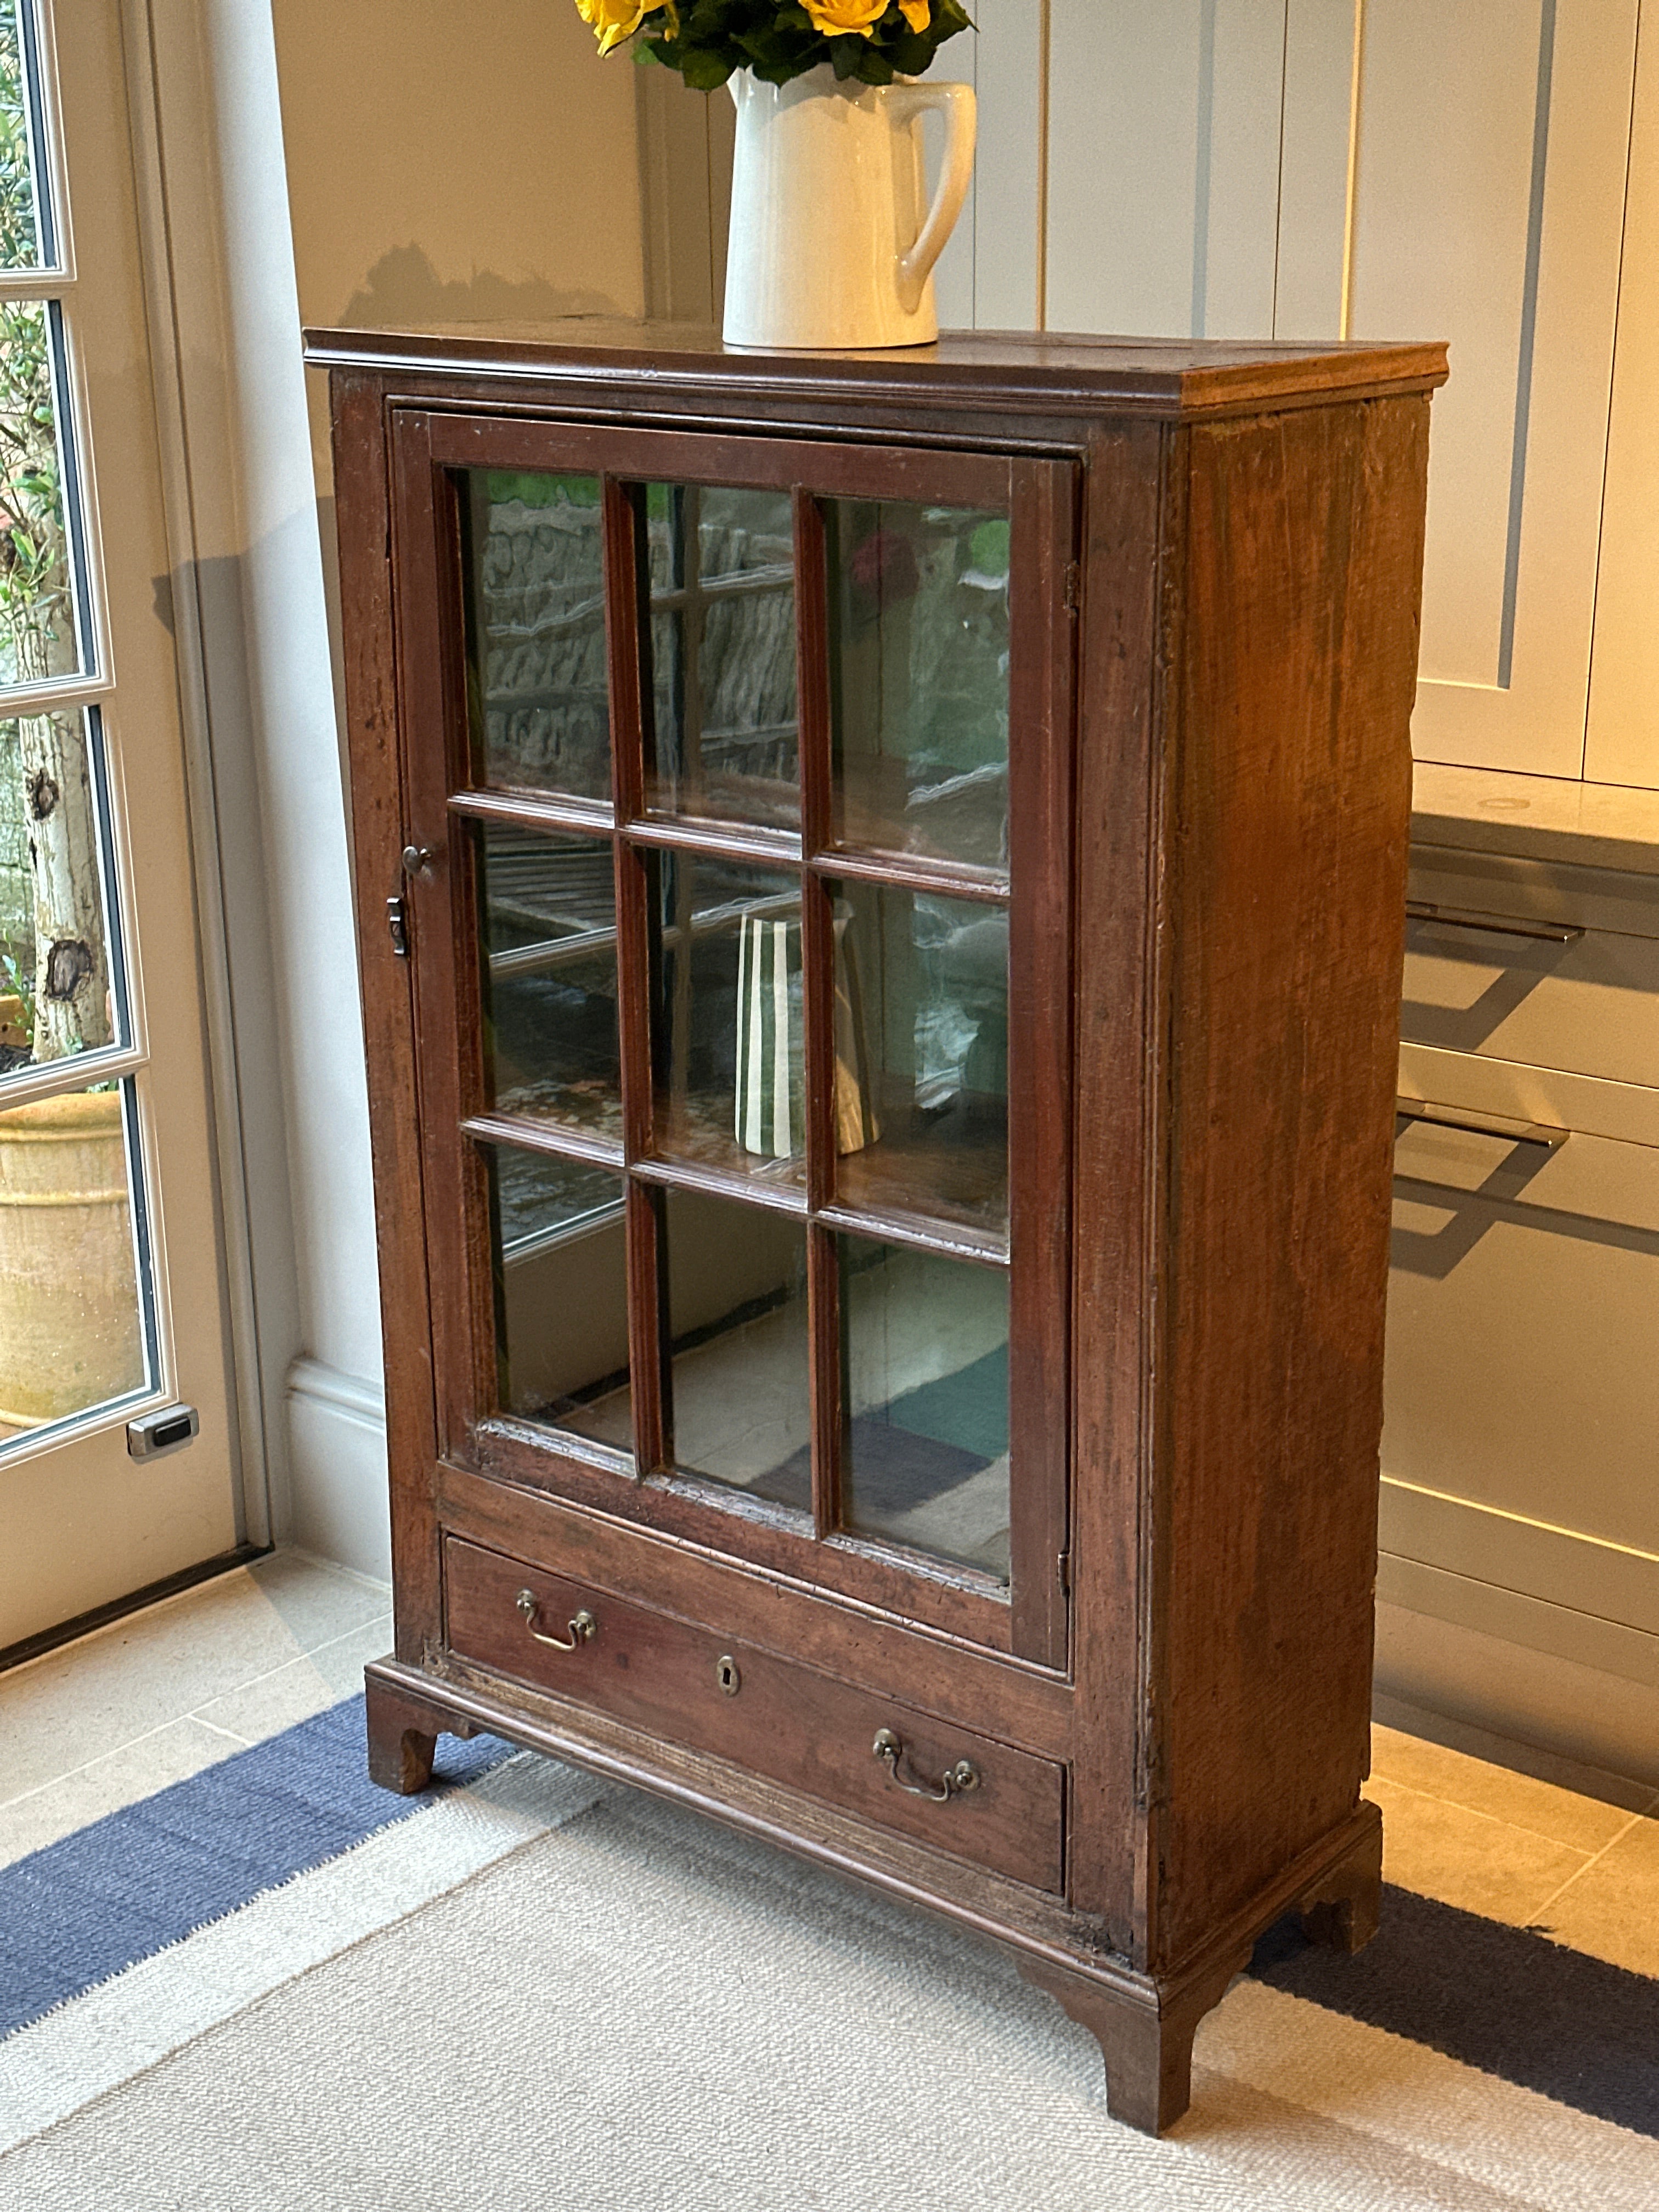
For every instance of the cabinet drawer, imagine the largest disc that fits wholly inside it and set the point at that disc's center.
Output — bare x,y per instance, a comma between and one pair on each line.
1558,988
1523,1375
788,1723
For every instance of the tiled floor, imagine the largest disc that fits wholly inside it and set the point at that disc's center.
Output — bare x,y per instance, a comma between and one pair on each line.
1584,1870
156,1696
160,1695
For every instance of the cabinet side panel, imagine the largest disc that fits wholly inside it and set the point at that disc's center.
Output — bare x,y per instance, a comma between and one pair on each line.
1115,1118
1285,913
377,825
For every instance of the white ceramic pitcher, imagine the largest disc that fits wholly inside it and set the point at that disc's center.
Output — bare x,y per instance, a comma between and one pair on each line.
832,241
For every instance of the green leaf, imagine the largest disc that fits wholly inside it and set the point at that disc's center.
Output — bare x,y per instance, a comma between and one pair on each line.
704,70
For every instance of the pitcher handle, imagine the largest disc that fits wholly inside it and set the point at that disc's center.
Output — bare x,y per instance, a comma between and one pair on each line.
956,102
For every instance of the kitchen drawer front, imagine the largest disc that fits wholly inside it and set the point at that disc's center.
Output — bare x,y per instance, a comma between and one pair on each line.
697,1687
1523,1375
1573,984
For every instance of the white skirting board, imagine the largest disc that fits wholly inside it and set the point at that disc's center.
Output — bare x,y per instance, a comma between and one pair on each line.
337,1468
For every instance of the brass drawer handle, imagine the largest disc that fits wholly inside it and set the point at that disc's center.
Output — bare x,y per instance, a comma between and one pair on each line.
960,1779
583,1629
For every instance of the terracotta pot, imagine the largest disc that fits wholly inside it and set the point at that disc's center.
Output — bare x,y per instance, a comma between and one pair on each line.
69,1330
832,241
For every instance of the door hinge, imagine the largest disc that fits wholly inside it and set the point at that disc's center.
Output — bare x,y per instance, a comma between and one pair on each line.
1063,1569
397,921
1071,589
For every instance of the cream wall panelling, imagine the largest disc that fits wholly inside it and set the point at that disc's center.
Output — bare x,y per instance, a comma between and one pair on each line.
1164,162
1311,169
1487,203
1624,716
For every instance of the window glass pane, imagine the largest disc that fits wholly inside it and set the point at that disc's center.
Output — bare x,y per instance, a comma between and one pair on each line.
722,570
73,1332
922,1051
737,1278
548,909
535,597
925,1390
21,244
57,994
728,1018
918,662
37,611
560,1255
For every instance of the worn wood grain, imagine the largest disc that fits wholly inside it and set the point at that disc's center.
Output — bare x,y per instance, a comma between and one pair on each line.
1284,912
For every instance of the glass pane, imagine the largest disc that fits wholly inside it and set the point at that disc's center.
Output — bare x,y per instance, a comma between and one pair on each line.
38,614
722,568
58,996
728,1018
73,1330
736,1287
925,1390
548,908
919,672
560,1251
21,242
922,1055
535,600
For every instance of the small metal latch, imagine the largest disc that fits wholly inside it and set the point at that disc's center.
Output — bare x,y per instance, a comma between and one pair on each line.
397,921
170,1428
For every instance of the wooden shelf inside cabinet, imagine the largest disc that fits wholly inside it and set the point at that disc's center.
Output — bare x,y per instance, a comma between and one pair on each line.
882,1085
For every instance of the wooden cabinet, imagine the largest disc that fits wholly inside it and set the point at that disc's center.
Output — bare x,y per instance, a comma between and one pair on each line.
880,884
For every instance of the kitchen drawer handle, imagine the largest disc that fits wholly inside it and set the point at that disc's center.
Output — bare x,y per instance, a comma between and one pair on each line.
583,1628
1481,1125
1492,924
961,1779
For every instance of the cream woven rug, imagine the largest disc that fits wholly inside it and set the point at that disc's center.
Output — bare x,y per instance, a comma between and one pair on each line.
540,1994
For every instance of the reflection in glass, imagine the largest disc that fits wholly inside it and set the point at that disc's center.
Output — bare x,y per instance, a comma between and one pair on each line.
56,994
925,1455
728,1018
559,1250
918,662
73,1331
548,907
38,634
928,977
21,243
535,600
737,1278
722,569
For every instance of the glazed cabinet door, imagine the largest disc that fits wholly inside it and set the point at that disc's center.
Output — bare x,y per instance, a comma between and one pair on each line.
738,776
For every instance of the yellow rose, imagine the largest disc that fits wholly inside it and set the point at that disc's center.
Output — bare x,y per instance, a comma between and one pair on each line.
613,21
836,18
916,13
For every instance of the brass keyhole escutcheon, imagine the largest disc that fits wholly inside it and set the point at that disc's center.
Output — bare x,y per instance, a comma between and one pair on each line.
726,1674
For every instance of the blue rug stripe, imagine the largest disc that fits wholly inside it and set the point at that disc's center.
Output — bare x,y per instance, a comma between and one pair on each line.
98,1901
1498,1998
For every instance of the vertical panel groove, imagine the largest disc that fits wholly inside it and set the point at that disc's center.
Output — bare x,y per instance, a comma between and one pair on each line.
1541,144
1350,212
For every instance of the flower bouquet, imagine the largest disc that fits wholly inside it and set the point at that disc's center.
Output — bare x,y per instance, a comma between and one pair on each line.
871,41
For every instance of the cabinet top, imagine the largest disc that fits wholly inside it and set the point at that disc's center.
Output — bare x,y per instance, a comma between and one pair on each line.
1045,372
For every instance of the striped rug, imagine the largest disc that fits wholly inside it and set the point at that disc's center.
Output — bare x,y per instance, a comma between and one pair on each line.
273,1986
